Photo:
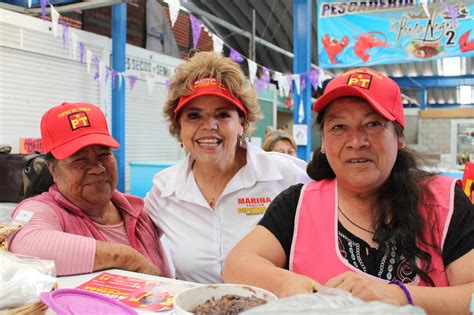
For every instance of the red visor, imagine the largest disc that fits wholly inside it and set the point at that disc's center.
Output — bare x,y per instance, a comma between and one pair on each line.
209,86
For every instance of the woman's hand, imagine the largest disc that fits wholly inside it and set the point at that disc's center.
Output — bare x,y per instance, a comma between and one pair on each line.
367,289
293,284
112,255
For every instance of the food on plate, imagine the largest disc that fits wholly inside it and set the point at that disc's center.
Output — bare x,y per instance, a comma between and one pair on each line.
228,304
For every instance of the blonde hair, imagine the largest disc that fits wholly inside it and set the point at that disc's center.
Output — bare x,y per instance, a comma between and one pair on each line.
274,136
224,70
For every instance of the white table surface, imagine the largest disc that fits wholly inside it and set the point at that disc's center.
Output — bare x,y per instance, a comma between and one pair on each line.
75,281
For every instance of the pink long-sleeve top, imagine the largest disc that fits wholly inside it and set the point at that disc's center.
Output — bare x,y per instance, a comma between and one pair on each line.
60,231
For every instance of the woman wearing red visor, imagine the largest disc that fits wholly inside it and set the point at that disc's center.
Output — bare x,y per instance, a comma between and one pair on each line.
207,203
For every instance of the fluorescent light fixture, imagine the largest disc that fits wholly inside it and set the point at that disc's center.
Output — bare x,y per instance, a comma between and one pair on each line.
452,66
465,94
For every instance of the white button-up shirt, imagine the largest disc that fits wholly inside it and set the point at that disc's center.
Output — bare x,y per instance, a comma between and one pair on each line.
200,237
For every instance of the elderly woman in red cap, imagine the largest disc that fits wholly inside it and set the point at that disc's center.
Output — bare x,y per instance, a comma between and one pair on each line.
207,203
372,222
82,222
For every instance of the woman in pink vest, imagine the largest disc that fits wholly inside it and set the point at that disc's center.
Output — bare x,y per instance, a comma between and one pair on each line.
80,220
373,222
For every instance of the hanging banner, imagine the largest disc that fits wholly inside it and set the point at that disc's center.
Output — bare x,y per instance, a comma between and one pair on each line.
363,33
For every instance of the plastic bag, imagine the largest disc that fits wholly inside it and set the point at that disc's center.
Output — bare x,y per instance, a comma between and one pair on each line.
330,301
22,278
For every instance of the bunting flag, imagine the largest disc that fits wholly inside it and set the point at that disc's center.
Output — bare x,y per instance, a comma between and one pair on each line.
235,56
43,4
174,6
252,70
301,112
452,11
313,77
107,71
54,20
95,62
266,77
132,79
289,79
29,3
196,28
101,72
82,47
217,44
296,79
322,77
120,79
88,60
303,81
65,33
74,45
424,4
150,82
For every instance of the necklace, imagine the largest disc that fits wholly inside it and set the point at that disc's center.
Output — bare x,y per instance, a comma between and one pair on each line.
355,224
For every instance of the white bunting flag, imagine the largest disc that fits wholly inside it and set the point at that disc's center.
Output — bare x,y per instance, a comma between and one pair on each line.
29,3
322,77
120,76
174,6
297,80
150,82
101,71
301,112
88,60
424,3
217,44
252,70
54,20
74,41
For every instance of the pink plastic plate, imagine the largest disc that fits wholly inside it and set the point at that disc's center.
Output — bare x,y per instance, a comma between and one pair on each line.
81,302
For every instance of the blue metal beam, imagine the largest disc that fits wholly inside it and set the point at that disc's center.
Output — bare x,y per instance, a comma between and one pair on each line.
434,81
119,40
301,64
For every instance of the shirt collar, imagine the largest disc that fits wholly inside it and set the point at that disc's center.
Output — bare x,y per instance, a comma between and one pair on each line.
260,167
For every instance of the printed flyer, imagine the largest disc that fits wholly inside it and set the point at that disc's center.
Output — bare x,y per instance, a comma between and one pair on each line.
137,293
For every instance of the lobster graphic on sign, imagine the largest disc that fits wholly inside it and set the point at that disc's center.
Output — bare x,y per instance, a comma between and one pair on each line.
334,47
366,41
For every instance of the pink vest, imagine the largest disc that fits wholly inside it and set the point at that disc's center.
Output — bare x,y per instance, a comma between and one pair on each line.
315,252
143,235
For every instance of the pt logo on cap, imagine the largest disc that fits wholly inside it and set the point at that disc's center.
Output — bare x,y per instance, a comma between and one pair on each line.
360,79
78,120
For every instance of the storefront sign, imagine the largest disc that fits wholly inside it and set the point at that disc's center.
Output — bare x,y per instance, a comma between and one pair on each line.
363,33
139,67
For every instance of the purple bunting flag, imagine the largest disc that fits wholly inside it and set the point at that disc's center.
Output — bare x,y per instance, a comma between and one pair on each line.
259,84
95,61
43,4
108,70
196,27
65,33
452,11
114,74
303,81
132,79
235,56
290,82
266,77
82,49
313,77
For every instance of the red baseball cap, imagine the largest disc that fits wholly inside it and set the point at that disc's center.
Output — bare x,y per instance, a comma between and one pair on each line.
69,127
209,86
381,92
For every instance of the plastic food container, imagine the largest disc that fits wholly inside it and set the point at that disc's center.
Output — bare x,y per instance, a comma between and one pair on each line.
186,301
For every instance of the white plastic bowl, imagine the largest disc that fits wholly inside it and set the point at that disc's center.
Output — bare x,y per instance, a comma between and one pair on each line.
186,301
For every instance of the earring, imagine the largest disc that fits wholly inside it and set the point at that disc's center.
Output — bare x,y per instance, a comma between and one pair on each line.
402,145
181,144
239,140
322,150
